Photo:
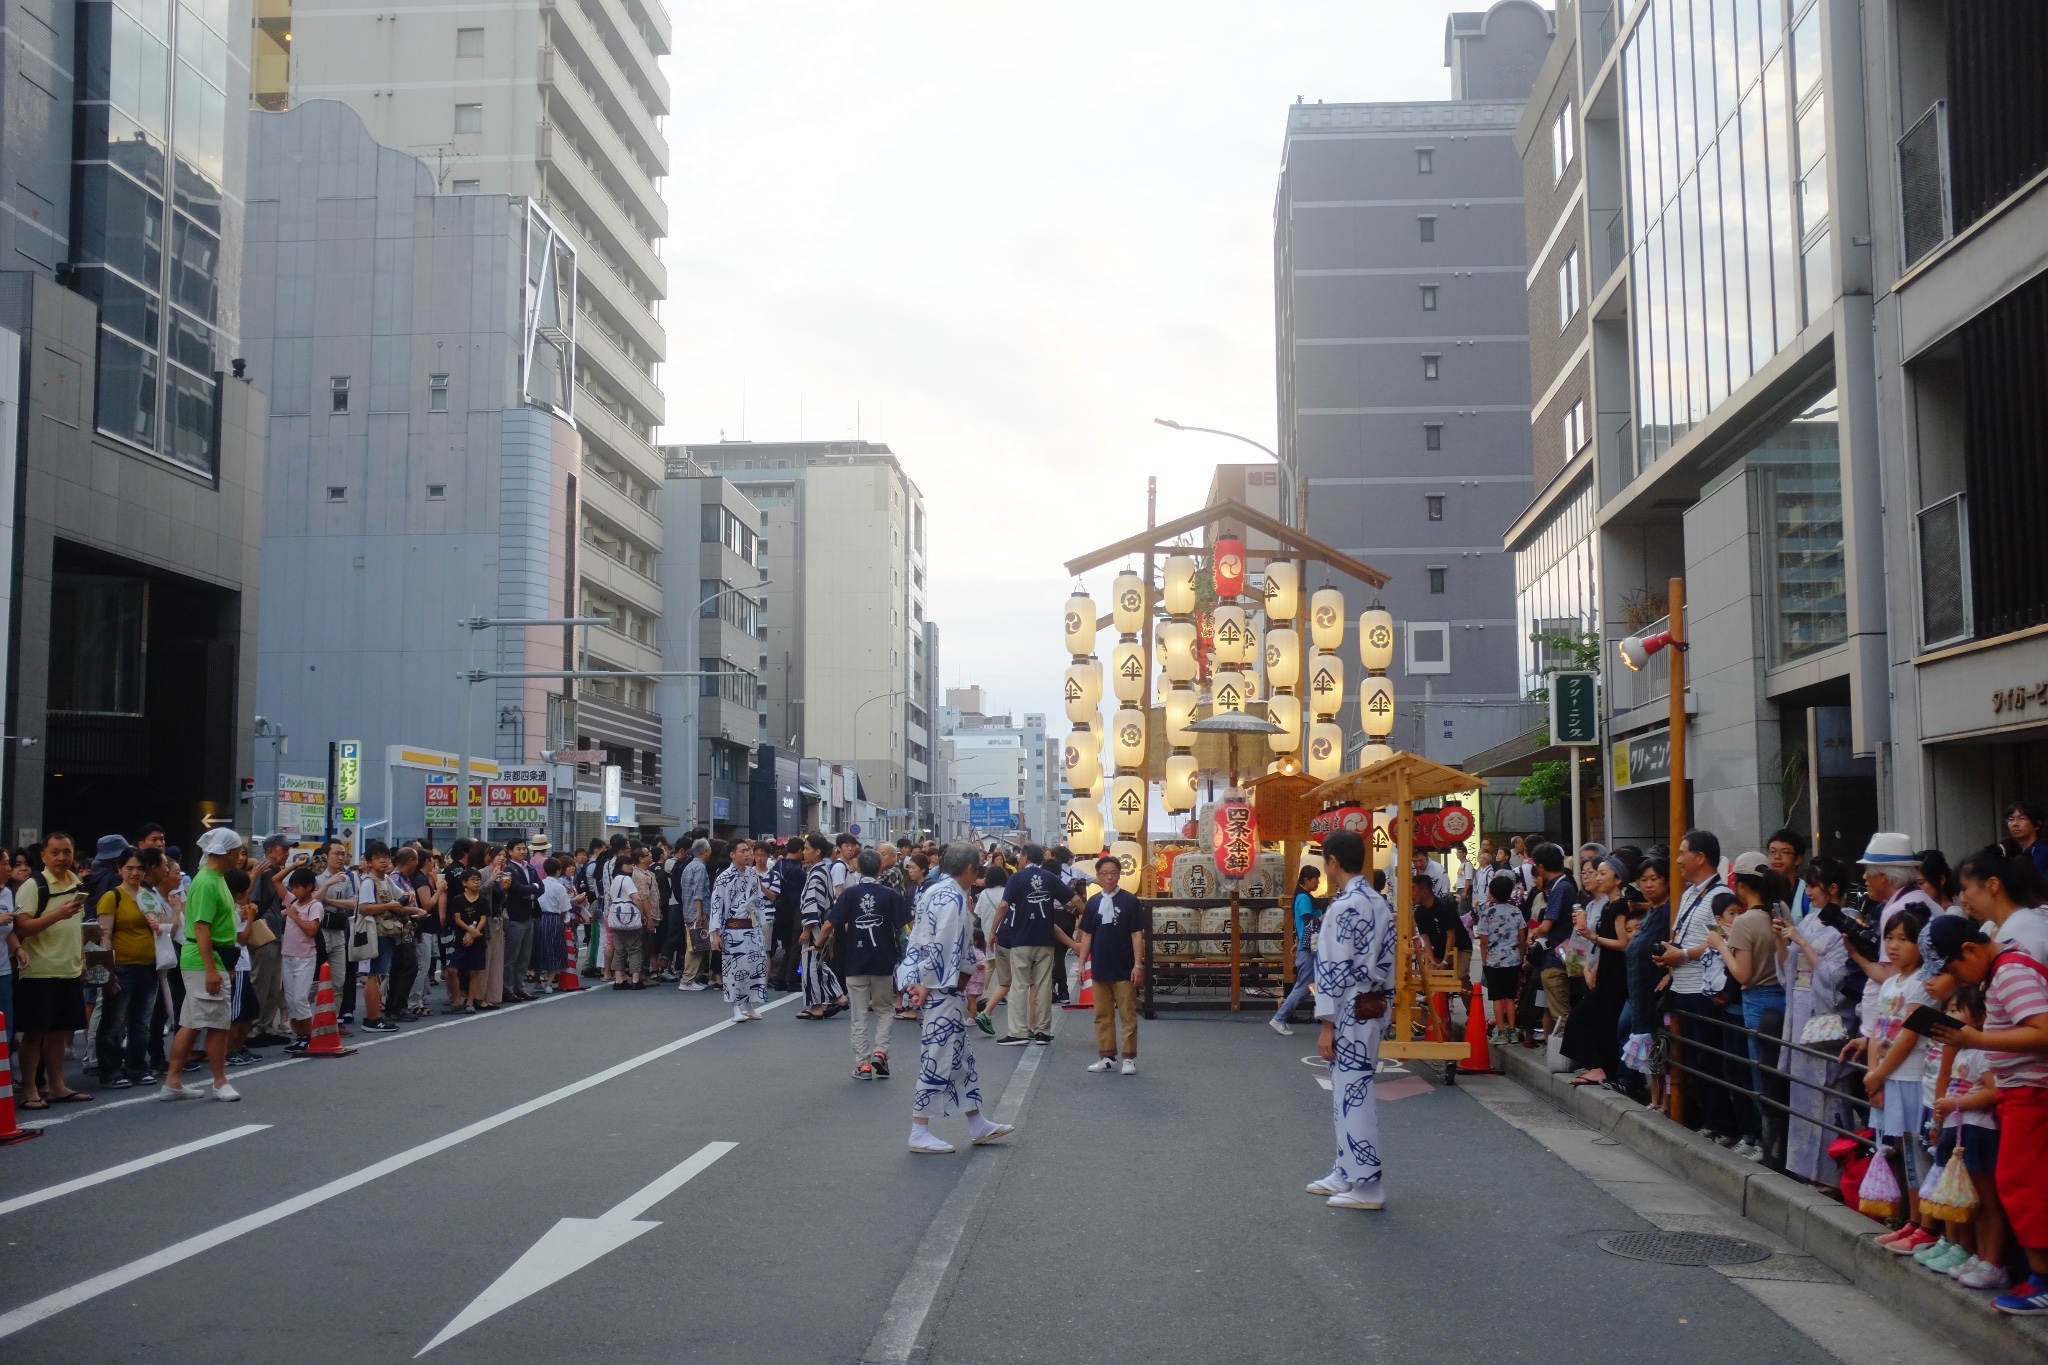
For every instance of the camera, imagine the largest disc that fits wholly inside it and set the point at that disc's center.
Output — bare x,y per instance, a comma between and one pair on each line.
1862,939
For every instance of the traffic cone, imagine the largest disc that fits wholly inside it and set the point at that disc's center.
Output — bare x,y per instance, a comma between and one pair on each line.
9,1131
1480,1059
1086,999
567,979
326,1029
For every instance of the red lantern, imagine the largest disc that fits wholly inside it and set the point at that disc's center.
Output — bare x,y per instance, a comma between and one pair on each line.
1237,837
1425,830
1455,824
1229,567
1357,819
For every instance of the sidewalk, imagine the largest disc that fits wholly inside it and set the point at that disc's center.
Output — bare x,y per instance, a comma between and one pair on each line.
1836,1236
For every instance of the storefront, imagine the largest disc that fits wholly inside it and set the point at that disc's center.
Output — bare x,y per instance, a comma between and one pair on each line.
1983,715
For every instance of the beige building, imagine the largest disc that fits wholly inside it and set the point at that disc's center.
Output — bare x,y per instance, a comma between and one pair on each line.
560,103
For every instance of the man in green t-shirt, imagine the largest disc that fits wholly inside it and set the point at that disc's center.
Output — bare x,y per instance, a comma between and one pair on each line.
207,963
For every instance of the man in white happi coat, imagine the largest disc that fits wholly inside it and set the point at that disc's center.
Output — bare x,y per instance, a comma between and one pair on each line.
936,965
1354,973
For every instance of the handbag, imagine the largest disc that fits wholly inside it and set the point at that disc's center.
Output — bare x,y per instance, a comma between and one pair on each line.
362,938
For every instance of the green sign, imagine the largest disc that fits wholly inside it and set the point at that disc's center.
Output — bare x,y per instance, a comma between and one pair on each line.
1574,708
348,815
1641,760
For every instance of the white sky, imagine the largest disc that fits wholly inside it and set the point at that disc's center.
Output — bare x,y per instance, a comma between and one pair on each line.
1006,235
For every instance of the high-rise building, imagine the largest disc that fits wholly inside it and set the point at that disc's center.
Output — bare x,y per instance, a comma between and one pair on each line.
847,677
1404,365
964,719
139,462
560,105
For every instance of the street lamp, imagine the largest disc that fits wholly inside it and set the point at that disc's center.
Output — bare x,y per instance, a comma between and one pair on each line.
1212,431
855,723
280,744
1637,649
697,701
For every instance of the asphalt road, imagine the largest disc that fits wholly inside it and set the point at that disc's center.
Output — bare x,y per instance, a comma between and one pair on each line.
731,1195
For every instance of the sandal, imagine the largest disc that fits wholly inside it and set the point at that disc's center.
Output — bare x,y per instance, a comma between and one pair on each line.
35,1104
71,1097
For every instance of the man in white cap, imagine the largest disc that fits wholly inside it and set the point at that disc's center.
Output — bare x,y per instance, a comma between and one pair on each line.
1891,876
207,961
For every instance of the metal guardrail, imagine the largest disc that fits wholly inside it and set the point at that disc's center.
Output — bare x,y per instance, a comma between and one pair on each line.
1679,1044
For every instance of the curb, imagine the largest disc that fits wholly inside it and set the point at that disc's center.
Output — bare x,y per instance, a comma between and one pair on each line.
1837,1236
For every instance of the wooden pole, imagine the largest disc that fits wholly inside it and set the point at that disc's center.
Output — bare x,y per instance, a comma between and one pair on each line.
1295,848
1151,758
1236,957
1677,652
1404,913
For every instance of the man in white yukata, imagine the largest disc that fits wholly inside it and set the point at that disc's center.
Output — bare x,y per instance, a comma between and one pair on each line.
936,965
735,916
1354,971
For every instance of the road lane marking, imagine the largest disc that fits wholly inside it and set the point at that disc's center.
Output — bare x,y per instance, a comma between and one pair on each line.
141,1163
573,1243
903,1320
85,1291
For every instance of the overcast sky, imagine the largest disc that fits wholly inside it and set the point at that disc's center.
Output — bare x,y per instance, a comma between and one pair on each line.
1001,237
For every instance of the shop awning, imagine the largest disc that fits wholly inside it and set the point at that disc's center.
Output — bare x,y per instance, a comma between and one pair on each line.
1519,756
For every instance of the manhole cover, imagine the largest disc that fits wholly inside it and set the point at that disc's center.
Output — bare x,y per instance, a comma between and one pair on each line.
1684,1248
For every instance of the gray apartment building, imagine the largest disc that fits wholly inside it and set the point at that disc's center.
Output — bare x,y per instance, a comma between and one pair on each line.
1403,347
139,467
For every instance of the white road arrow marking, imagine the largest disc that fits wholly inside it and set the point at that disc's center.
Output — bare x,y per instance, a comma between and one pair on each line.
573,1243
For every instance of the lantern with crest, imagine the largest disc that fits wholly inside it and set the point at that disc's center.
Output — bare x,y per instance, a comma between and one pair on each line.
1082,754
1376,692
1237,836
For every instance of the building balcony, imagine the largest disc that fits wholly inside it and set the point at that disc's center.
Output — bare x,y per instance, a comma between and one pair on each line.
600,424
604,498
596,132
625,249
627,376
571,25
603,289
636,590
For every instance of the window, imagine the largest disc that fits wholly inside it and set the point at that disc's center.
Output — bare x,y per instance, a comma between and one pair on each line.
337,492
1561,143
1429,298
437,492
1575,435
1568,289
469,118
1435,503
1429,647
726,680
1437,574
1427,224
337,390
469,42
98,625
437,393
1430,366
1432,435
1424,157
468,187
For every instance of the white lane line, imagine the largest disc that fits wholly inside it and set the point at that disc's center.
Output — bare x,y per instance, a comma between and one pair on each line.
141,1163
903,1320
573,1243
51,1304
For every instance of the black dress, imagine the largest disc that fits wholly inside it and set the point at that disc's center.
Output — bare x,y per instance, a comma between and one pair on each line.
1589,1035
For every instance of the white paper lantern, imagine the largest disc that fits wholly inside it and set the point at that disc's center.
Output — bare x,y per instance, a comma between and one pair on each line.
1325,749
1285,712
1252,690
1226,691
1177,590
1376,706
1127,670
1080,624
1084,827
1082,760
1180,710
1249,656
1130,857
1376,639
1177,649
1127,738
1374,753
1325,619
1382,844
1083,690
1178,791
1127,603
1325,683
1227,630
1127,804
1282,591
1283,657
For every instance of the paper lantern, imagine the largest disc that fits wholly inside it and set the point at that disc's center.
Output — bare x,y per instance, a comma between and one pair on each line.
1226,691
1455,824
1127,738
1178,791
1127,603
1282,591
1127,804
1227,629
1177,591
1283,657
1127,670
1252,690
1382,846
1177,649
1129,858
1325,683
1229,566
1374,753
1237,837
1082,761
1325,619
1376,706
1180,710
1325,749
1083,690
1250,658
1376,639
1285,712
1084,827
1080,624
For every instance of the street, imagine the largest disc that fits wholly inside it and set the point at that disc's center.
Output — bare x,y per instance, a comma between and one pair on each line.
734,1197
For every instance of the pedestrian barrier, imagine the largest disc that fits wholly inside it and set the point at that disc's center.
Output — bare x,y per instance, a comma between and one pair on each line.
1085,998
326,1027
10,1131
567,979
1692,1039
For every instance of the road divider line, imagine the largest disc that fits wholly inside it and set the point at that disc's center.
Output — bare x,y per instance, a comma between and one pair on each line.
85,1291
141,1163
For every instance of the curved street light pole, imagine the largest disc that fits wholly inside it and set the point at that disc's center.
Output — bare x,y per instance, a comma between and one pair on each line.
854,723
1214,431
697,701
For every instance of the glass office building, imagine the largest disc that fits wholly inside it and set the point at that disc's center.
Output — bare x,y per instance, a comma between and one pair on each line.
150,225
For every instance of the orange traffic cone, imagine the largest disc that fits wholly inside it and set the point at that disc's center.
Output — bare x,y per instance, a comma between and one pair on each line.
1479,1060
326,1029
9,1131
566,979
1086,999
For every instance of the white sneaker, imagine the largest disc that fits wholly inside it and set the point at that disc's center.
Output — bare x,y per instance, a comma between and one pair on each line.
1103,1064
989,1132
1366,1196
226,1092
693,986
924,1144
1328,1186
1985,1276
1749,1151
1130,1066
175,1092
753,1014
739,1016
1279,1026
